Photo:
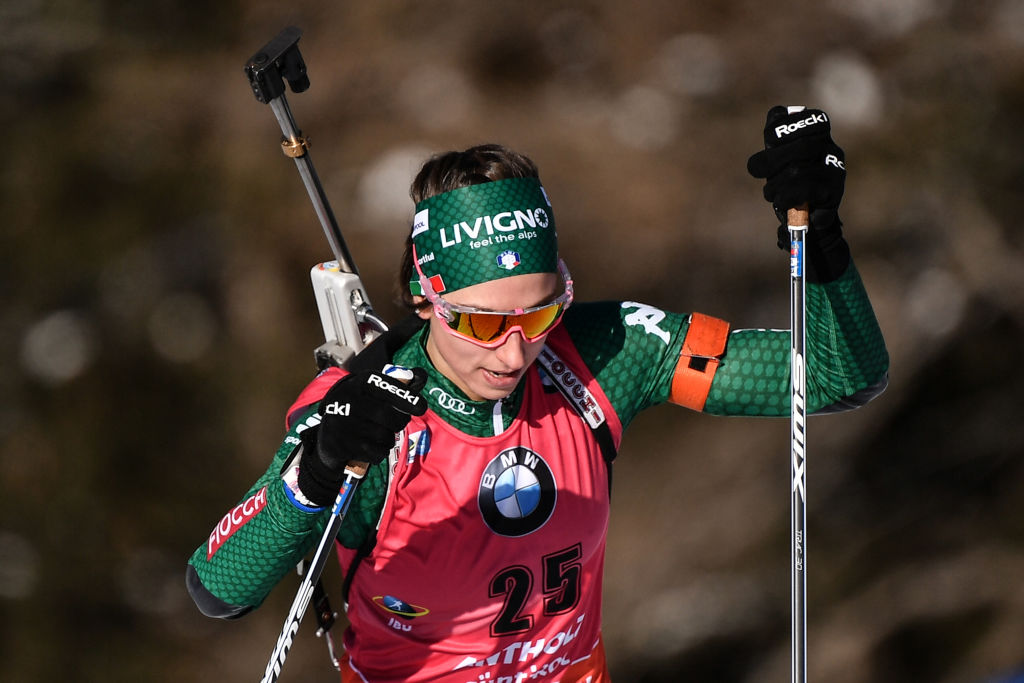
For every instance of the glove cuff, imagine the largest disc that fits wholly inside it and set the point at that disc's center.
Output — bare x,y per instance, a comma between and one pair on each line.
317,482
290,479
827,254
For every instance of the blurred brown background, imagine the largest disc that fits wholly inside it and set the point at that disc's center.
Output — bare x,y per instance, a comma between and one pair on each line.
156,316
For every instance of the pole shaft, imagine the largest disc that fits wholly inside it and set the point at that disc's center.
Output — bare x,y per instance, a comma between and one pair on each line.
798,220
354,473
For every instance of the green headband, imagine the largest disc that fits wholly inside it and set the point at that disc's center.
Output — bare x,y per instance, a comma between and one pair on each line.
484,232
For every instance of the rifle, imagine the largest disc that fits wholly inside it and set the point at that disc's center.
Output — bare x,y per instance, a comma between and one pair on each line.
347,318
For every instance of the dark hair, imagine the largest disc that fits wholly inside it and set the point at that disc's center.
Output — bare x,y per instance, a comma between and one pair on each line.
450,171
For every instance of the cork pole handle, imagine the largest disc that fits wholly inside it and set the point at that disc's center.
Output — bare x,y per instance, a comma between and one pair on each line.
799,216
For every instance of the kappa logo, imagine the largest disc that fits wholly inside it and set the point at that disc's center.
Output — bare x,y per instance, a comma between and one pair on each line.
517,492
449,402
646,317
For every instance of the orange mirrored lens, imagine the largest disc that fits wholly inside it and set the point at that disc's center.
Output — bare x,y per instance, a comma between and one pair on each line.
487,327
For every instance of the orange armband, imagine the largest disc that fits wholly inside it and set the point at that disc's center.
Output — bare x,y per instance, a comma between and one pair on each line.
698,360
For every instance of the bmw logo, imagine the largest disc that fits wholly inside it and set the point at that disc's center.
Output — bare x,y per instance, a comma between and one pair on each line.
517,492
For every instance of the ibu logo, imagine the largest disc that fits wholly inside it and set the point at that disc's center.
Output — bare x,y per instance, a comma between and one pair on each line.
509,259
517,492
399,607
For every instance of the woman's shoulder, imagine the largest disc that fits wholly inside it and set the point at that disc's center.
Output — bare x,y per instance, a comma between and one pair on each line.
593,317
614,323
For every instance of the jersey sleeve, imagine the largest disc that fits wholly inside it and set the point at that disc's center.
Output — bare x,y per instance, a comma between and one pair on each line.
265,535
254,544
642,356
847,362
631,348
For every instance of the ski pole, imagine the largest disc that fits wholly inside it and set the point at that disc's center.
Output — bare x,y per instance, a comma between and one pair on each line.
798,220
354,473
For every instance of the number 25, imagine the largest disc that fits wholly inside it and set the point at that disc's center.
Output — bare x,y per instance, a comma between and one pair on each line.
562,573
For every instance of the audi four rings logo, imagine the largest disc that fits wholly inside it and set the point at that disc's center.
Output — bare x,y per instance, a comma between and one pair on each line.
449,402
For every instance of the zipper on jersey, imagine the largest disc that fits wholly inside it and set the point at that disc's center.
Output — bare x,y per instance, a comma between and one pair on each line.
497,419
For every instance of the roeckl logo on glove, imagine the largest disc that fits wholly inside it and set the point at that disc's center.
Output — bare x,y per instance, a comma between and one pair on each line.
338,409
381,383
788,128
833,160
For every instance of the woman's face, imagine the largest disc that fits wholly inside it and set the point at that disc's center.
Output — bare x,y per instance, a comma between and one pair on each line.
490,374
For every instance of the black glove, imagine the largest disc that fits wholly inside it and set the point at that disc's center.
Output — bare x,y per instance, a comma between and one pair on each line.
801,164
359,418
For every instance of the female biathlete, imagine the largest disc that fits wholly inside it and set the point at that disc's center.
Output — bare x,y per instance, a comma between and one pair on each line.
473,551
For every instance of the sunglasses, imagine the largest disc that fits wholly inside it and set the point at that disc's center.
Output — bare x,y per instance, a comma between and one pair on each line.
491,329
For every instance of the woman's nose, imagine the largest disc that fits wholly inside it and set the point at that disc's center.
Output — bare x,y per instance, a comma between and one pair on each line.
511,352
